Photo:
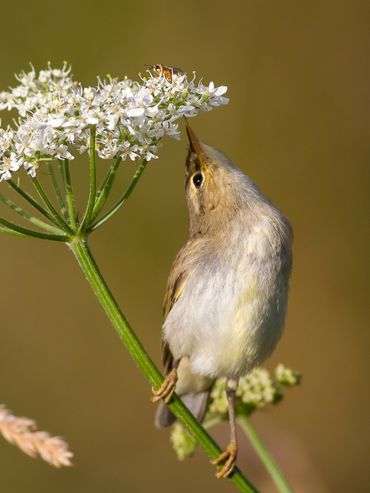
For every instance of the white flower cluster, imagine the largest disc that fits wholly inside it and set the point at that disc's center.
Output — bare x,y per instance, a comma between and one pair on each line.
255,390
130,117
286,376
182,442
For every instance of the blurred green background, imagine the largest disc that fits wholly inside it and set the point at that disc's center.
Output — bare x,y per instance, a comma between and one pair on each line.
298,124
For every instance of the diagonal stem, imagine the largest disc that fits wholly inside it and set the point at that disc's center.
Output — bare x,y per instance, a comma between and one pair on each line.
57,190
30,200
124,197
105,189
12,232
11,228
61,170
56,218
92,190
27,216
137,351
265,456
69,194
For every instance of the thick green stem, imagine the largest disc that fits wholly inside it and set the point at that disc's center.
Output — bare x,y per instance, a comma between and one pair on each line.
92,190
105,189
137,351
265,456
123,199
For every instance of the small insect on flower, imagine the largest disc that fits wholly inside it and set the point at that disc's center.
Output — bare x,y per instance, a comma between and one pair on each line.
160,70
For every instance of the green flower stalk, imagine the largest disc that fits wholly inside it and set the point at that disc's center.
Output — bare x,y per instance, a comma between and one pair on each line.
255,391
115,120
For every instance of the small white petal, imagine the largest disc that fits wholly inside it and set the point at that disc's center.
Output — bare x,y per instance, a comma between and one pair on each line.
220,90
92,120
152,111
133,112
56,122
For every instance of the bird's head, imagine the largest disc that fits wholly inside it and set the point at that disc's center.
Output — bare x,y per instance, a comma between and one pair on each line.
215,188
220,195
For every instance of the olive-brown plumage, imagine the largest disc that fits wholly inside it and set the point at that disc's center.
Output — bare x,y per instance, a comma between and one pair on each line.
226,296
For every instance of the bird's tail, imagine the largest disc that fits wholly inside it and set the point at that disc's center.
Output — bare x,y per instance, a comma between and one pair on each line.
197,403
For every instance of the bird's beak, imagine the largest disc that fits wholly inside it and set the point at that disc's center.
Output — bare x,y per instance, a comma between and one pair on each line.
195,145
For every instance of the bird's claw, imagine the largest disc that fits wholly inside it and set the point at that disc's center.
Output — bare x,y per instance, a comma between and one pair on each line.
228,456
167,388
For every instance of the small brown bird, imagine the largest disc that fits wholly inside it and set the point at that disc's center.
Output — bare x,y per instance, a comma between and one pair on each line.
227,291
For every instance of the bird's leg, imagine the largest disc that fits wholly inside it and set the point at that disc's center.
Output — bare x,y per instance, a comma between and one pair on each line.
167,388
230,453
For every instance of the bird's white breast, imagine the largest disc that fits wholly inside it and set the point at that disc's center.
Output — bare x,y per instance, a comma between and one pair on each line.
231,312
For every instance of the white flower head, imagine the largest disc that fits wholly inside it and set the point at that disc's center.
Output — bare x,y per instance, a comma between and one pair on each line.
56,114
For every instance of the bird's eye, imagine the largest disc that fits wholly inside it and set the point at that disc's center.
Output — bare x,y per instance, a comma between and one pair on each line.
198,180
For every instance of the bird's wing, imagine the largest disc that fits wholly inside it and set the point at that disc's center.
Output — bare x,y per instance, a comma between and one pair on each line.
173,293
175,286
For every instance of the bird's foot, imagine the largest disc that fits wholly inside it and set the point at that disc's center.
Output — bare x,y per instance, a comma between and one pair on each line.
229,457
167,388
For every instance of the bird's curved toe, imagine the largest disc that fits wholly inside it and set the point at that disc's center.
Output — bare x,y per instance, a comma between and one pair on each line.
228,456
167,388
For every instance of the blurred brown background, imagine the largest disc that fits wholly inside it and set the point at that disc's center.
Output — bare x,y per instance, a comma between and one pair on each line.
298,124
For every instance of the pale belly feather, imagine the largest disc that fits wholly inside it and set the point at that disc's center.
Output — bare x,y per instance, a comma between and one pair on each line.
230,316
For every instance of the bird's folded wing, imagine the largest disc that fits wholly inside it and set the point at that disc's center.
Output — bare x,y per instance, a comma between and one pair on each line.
175,286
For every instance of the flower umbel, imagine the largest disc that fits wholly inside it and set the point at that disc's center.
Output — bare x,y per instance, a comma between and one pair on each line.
256,390
56,113
58,119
